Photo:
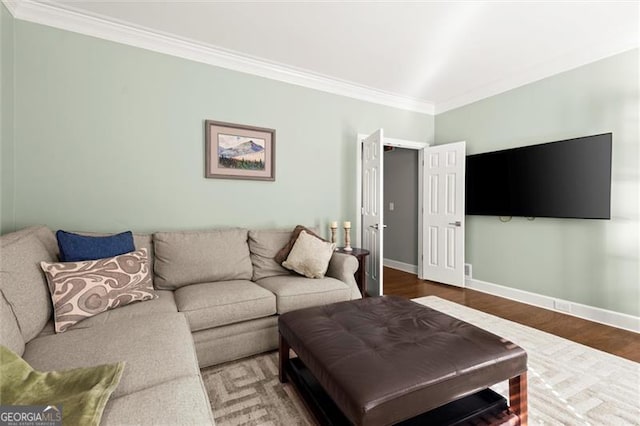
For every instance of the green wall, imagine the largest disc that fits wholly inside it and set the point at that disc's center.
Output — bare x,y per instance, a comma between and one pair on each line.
111,137
6,120
594,262
108,137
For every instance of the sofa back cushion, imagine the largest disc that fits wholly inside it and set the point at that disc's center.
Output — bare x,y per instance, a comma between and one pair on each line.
10,335
264,245
44,234
22,281
183,258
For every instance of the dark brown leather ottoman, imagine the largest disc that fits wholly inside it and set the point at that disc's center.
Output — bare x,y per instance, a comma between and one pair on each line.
386,359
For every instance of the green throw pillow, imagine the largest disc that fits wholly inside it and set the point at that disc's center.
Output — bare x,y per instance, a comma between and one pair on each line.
82,392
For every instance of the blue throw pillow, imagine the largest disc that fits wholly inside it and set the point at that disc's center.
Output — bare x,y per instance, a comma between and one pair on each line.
74,247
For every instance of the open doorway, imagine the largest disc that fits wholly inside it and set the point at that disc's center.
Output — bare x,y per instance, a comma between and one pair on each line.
401,173
440,208
370,225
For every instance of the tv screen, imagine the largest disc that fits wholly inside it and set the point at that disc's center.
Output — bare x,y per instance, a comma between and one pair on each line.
564,179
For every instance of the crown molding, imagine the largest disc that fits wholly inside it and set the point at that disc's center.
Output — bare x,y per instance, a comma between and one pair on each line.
11,6
126,33
523,77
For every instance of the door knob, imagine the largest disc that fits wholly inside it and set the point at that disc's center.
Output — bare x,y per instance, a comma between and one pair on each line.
456,223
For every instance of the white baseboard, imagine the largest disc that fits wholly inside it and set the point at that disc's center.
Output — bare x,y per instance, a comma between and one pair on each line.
591,313
401,266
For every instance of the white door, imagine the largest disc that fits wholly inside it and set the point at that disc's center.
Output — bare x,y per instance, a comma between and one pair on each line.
443,223
372,199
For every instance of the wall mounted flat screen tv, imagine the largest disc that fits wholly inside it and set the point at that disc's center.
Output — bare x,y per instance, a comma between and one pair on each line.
564,179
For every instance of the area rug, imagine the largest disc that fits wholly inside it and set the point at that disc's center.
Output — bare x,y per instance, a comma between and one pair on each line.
569,383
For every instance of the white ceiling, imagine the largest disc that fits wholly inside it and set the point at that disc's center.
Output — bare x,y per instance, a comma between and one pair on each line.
441,53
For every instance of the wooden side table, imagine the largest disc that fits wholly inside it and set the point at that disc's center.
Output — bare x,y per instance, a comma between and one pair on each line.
361,273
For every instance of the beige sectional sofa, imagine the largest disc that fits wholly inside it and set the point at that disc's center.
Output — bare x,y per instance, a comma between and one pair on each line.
220,292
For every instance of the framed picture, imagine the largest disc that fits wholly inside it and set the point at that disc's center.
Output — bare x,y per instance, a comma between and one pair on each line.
235,151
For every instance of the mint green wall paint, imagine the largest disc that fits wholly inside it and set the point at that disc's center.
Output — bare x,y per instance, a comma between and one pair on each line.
6,121
111,137
594,262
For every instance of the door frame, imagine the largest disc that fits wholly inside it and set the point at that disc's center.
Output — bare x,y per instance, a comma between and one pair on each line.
398,143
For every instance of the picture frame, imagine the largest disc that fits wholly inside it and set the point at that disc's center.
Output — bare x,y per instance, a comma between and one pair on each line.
237,151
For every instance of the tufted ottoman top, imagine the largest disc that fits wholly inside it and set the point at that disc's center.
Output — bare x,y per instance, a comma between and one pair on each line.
386,359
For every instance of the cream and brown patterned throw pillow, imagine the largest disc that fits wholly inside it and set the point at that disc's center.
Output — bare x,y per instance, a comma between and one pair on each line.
83,289
309,256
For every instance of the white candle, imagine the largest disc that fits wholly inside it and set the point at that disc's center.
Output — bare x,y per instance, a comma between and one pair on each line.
333,224
347,224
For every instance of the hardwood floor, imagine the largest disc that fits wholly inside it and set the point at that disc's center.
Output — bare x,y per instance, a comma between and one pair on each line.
619,342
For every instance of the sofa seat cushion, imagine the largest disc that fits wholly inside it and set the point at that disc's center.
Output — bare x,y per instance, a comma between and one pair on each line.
164,303
157,348
208,305
295,292
181,401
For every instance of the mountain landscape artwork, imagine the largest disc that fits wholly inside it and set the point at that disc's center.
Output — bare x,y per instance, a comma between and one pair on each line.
240,152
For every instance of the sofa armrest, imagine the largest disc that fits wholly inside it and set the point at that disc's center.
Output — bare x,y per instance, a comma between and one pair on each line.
343,267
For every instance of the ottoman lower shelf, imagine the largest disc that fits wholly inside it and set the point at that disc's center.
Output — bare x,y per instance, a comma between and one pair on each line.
485,405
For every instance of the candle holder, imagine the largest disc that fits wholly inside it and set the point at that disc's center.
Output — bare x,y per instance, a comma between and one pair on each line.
347,236
334,229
